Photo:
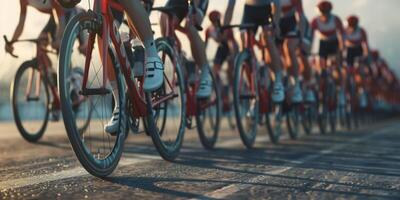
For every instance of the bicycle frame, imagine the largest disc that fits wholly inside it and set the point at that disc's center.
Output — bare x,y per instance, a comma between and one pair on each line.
110,31
43,66
263,97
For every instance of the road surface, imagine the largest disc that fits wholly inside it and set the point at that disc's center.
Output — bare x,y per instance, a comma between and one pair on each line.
362,164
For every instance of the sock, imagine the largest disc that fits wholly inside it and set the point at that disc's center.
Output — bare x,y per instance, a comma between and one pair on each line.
114,87
150,48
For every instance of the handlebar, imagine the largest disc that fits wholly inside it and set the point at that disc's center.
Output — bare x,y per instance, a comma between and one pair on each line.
9,43
35,41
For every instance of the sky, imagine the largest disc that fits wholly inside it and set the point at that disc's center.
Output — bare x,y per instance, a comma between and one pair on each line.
380,19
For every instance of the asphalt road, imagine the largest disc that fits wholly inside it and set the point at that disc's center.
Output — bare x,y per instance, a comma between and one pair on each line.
362,164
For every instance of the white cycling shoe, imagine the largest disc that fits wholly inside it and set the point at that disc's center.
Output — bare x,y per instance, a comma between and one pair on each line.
278,94
154,74
297,96
205,87
112,125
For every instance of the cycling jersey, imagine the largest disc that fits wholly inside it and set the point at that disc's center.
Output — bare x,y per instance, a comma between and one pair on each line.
41,5
327,30
353,41
183,7
355,38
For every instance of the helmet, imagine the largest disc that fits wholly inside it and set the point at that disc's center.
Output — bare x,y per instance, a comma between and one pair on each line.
214,16
325,6
68,3
375,54
352,21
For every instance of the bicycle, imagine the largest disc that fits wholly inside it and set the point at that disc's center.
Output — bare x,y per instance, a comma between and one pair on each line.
33,88
328,99
163,111
206,111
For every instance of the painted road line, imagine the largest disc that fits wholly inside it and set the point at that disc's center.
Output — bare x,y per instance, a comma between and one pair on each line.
71,173
235,188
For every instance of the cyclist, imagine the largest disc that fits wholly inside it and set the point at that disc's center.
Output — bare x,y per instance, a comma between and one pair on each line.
330,30
260,13
228,47
355,40
197,45
291,27
51,30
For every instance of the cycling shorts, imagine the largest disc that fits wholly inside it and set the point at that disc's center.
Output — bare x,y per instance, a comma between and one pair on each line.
183,7
258,15
288,26
353,53
222,54
328,48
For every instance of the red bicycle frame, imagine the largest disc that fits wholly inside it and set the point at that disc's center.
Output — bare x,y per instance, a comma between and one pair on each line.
110,31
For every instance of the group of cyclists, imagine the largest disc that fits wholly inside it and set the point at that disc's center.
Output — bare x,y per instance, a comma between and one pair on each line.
359,74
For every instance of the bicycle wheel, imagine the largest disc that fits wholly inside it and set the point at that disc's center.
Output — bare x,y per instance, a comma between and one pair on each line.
332,121
208,116
323,118
30,101
274,122
308,117
293,121
245,99
98,152
165,122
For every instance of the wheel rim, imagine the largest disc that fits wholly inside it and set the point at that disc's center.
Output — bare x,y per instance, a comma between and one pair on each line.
31,109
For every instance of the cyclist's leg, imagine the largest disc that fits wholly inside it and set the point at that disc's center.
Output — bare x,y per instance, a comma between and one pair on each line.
140,20
197,46
290,49
278,94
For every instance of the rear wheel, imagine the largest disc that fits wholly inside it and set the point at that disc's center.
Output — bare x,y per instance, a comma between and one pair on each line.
98,152
245,99
30,105
323,118
308,117
166,120
208,116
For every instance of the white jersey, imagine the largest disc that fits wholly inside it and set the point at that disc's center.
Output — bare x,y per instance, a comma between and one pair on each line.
259,2
41,5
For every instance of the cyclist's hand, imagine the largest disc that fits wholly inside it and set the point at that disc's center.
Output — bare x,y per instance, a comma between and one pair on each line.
9,48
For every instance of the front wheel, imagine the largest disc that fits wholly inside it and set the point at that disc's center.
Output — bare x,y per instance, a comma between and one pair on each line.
245,99
98,151
30,101
293,121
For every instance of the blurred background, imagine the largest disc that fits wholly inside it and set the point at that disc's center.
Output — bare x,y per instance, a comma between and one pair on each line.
379,18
